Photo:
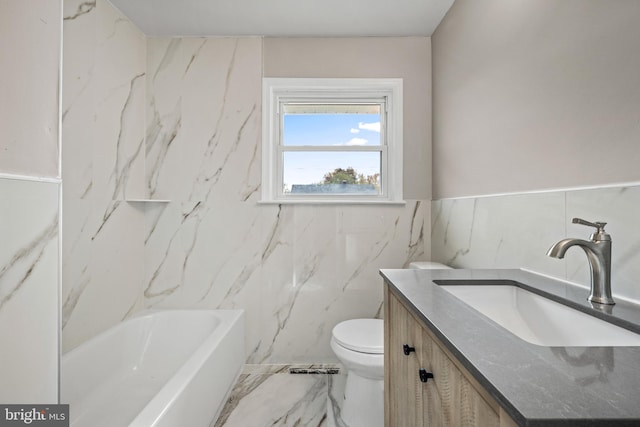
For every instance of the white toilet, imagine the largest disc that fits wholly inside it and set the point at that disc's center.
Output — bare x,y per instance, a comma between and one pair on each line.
359,345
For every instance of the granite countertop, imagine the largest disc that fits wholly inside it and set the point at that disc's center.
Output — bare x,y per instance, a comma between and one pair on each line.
536,385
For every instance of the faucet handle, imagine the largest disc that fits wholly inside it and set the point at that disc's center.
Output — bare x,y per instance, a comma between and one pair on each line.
597,225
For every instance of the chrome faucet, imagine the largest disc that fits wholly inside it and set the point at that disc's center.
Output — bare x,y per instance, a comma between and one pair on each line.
598,250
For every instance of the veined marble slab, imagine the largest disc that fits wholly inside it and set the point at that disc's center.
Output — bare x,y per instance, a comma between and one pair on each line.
516,231
282,399
103,131
296,270
29,291
30,58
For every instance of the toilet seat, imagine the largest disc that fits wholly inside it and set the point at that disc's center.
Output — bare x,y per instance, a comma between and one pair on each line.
361,335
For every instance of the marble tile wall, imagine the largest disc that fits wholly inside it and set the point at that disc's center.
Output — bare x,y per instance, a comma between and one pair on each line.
296,270
29,291
29,200
515,231
102,167
30,58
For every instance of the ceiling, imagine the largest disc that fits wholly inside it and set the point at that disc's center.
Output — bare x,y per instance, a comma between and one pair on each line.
285,18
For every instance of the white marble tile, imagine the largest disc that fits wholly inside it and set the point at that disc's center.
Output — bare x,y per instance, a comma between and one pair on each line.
102,102
30,58
321,267
103,162
276,400
29,291
203,109
516,231
107,289
163,118
77,252
78,97
119,79
166,256
203,147
200,254
499,232
336,386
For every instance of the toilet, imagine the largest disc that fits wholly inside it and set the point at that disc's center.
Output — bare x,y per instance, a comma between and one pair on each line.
359,345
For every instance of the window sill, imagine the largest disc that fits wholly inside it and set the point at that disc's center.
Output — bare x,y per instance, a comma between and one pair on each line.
333,202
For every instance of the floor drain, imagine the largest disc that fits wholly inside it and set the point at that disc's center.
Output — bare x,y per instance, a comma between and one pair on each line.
329,371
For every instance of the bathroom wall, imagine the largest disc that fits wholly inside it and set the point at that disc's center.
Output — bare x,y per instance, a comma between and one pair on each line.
29,191
177,121
532,96
297,270
102,167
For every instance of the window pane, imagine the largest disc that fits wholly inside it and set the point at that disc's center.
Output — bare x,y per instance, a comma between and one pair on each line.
331,172
331,125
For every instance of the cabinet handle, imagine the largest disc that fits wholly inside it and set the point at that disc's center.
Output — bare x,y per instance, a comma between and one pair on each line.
424,375
407,349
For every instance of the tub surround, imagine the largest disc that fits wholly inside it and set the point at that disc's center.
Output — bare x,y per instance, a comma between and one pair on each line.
296,270
103,131
535,385
29,199
29,291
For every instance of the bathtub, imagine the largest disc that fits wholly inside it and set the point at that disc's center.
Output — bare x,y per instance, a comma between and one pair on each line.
159,369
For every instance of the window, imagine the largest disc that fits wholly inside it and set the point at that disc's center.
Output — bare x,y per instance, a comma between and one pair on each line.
332,140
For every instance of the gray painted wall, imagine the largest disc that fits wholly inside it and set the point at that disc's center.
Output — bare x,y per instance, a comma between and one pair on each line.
535,95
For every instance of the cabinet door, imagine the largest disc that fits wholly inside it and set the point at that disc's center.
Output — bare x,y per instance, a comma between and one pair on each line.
449,398
403,392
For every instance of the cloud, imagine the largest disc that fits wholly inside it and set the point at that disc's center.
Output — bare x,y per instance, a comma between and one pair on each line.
374,127
357,141
354,130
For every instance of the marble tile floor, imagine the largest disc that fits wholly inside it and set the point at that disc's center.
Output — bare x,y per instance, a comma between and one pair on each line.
270,395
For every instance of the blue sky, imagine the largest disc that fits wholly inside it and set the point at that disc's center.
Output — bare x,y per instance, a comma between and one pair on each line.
329,130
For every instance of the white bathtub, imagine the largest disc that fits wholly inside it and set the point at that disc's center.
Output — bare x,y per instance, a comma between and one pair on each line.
160,369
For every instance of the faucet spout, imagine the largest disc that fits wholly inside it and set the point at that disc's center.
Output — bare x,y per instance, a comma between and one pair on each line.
598,251
560,248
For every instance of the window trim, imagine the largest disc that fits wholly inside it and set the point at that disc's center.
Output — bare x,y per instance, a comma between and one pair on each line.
327,90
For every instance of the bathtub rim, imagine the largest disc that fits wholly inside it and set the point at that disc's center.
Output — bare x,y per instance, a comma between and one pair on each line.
161,403
152,412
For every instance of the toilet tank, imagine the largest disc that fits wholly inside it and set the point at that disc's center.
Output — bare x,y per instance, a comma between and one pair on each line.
428,265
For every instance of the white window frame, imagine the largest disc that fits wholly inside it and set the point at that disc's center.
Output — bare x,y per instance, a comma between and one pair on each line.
275,91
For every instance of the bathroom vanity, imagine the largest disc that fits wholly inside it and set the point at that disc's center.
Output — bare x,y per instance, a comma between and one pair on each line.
446,364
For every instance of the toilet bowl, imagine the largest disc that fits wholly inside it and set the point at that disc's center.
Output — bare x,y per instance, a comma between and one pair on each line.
359,345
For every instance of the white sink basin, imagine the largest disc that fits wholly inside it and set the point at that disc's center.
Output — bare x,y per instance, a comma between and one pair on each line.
539,320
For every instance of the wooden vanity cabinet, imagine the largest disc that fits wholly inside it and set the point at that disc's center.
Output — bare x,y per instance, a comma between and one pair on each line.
451,398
